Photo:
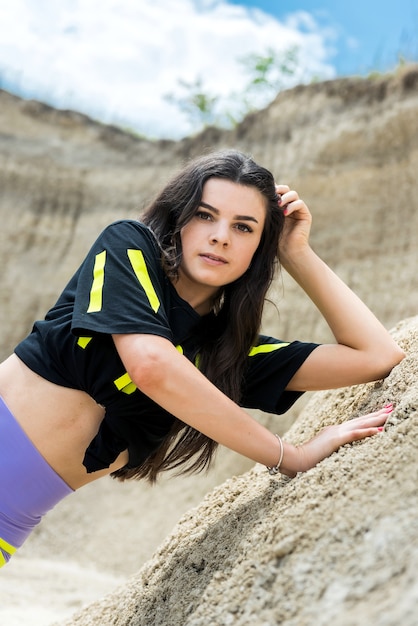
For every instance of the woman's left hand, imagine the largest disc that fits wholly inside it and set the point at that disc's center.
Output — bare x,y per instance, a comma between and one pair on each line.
297,224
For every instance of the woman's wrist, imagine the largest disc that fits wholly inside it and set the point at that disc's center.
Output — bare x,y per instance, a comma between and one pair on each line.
292,461
293,261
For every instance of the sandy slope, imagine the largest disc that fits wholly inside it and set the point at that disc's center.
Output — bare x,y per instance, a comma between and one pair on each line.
351,148
336,545
94,540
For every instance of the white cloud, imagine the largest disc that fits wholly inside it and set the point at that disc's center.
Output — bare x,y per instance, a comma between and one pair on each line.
115,59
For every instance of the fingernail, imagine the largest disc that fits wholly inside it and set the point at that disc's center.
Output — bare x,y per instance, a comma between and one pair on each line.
380,428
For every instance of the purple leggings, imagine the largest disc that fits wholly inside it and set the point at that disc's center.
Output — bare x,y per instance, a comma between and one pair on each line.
29,487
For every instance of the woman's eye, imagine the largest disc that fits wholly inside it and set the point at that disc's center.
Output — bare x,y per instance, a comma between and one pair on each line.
203,215
244,228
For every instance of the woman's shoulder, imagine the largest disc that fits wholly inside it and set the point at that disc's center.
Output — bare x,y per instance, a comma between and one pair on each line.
132,226
127,233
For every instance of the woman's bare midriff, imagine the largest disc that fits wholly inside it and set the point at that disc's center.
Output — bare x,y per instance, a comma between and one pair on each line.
61,422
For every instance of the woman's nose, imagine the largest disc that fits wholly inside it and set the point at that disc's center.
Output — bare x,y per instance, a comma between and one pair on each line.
220,234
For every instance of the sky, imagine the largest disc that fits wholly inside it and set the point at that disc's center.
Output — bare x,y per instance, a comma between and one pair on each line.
118,60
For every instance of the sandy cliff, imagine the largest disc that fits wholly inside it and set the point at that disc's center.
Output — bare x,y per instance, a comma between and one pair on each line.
349,146
281,550
336,545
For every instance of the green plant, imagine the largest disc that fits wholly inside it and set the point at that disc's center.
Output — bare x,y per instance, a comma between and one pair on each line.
268,74
198,105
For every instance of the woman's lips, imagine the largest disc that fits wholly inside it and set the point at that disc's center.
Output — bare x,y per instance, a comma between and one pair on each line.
213,259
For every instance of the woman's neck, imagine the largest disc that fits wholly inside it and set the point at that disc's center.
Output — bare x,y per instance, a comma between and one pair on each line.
201,300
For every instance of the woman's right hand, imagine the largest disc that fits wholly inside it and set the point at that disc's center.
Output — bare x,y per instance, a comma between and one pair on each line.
331,438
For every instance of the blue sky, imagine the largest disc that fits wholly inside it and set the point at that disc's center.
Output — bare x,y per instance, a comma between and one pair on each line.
116,60
370,34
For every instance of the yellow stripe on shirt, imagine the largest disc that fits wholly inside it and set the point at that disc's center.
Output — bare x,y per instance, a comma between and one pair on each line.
125,384
140,268
264,348
96,292
83,342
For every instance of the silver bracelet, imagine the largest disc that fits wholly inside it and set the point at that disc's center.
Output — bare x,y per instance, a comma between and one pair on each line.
276,469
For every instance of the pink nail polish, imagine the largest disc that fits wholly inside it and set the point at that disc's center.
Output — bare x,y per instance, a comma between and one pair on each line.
380,428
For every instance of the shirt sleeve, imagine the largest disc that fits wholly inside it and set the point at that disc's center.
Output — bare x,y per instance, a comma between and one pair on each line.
271,365
120,285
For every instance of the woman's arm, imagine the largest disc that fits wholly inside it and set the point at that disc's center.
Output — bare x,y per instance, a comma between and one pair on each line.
364,350
168,378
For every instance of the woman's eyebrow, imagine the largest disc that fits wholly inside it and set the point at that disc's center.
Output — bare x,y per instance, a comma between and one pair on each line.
248,218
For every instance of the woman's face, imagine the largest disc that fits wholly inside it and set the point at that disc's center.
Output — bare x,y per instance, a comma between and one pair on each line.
220,240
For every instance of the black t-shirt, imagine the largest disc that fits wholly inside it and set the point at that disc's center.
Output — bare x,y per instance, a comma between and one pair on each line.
121,288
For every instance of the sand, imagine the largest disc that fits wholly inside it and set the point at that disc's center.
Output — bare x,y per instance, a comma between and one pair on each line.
94,540
336,545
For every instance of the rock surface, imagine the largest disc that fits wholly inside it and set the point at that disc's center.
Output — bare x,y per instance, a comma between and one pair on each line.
338,541
349,146
336,545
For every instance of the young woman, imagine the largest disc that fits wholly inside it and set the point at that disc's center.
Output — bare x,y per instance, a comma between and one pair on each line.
153,347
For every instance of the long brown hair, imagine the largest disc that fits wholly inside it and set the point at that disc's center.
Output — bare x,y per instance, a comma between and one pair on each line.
233,325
